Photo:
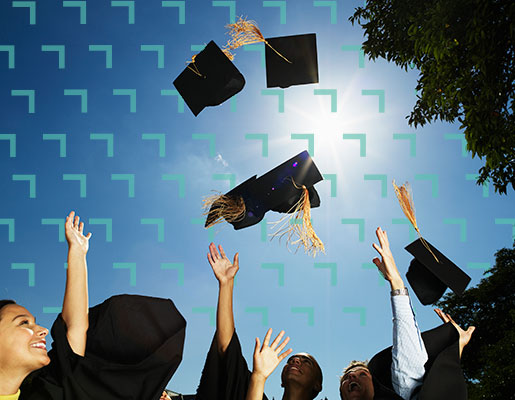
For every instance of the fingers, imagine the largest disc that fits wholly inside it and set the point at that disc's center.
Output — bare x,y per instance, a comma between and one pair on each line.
267,337
378,249
387,243
73,222
276,345
214,253
458,328
377,262
285,354
283,345
277,340
380,236
441,314
222,252
69,218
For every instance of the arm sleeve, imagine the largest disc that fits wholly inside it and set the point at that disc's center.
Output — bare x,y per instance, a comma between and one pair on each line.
408,351
225,376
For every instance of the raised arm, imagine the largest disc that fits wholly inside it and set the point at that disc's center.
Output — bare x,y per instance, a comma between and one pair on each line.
266,359
408,351
75,303
224,271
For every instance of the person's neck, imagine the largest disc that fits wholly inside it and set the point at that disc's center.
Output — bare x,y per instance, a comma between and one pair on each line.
10,381
296,393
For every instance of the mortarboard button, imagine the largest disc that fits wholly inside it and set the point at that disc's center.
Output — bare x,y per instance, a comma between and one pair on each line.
430,278
291,60
210,80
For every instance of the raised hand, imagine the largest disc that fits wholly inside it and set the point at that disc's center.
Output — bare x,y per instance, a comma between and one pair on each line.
268,357
387,265
465,336
224,270
75,233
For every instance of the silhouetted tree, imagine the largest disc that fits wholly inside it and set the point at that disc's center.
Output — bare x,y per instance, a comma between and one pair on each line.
489,358
465,52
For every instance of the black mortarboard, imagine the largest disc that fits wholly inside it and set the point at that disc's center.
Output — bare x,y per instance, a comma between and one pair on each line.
210,80
284,189
291,60
430,278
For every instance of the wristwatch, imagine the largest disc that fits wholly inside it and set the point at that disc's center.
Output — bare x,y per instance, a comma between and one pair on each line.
400,292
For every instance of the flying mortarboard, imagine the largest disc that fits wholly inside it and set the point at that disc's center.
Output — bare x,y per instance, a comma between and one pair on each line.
290,60
288,188
430,272
430,277
209,80
300,51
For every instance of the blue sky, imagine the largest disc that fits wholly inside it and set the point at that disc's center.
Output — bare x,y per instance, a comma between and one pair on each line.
465,221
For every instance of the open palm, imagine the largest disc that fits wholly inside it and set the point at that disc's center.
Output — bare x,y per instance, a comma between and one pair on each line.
222,267
75,233
268,357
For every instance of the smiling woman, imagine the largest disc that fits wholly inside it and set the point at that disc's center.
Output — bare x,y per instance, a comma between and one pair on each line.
136,341
22,341
22,346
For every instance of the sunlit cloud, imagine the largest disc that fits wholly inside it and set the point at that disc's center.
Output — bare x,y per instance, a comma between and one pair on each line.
221,160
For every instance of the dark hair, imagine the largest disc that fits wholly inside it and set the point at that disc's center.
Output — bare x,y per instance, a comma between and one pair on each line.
318,372
4,303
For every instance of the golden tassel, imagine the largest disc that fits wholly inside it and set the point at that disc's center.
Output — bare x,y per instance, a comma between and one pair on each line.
242,32
405,197
304,231
230,208
245,32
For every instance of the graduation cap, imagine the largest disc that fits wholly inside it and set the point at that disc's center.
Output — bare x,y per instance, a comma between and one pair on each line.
209,80
290,60
430,272
288,188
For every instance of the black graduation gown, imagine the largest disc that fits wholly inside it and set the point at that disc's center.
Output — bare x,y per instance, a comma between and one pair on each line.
224,377
443,378
134,345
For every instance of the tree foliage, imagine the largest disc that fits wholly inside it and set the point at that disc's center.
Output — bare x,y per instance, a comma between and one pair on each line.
465,52
489,359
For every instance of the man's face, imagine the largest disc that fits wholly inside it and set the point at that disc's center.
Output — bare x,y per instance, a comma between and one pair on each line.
22,341
357,384
302,370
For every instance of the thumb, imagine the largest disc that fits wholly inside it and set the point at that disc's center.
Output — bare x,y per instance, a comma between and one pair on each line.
236,260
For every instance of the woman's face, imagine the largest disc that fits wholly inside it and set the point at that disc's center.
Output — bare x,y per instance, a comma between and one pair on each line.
22,342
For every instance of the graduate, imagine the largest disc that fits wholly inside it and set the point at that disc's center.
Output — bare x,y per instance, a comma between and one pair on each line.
418,366
226,375
127,347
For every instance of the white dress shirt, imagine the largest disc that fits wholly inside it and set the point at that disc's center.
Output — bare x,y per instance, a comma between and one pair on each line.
408,352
